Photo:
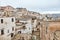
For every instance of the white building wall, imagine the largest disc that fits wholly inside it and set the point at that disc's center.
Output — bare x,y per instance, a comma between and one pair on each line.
7,25
28,27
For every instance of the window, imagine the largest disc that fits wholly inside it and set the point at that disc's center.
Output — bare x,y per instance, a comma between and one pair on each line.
12,28
37,29
2,32
32,31
38,23
1,20
24,27
12,34
19,32
12,20
8,31
29,28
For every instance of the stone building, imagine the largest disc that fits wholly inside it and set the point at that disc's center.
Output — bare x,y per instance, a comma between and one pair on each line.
17,12
7,28
25,25
7,10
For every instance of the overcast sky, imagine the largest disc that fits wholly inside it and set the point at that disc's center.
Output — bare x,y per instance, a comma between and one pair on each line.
34,5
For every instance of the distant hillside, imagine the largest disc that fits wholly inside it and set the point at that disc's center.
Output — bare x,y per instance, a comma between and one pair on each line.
55,16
